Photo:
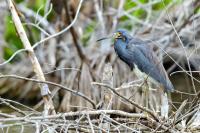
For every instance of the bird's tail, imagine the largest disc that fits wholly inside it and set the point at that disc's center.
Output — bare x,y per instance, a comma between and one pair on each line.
168,86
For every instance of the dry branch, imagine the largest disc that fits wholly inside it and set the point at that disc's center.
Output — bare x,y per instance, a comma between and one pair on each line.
52,83
108,80
88,121
129,101
73,115
48,104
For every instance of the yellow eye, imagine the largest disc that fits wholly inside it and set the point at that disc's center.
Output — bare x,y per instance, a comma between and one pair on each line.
118,35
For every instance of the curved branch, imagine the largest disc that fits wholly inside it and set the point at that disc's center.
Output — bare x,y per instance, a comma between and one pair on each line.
46,39
54,84
126,99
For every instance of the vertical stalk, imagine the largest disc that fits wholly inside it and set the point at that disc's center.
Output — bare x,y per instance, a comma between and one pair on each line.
107,95
48,104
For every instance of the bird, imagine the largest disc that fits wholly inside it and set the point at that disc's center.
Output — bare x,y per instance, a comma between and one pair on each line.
138,55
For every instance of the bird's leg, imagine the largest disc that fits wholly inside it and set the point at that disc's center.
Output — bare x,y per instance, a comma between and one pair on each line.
146,92
164,109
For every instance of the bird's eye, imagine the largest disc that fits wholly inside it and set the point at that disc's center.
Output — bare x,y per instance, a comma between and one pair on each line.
118,35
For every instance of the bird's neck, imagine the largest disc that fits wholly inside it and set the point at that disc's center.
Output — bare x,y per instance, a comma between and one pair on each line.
120,43
123,40
120,47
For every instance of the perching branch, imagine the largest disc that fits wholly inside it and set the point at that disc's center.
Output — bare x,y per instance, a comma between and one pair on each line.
129,101
48,104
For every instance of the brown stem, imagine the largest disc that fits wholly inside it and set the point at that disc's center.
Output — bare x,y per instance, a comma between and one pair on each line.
73,32
48,104
129,101
54,84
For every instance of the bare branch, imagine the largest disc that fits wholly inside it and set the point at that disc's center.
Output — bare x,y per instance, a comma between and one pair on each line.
126,99
79,113
48,108
51,83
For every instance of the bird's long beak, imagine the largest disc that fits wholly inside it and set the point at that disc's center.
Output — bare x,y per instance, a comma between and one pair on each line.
108,37
103,38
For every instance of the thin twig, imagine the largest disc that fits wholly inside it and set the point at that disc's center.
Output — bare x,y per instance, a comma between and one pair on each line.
46,39
126,99
18,104
51,83
78,113
48,104
13,107
90,123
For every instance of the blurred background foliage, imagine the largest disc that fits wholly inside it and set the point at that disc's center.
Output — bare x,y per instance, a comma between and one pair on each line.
14,43
75,59
147,19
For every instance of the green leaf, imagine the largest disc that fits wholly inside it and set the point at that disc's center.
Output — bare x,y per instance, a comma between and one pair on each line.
161,5
129,4
143,1
140,13
13,41
87,32
197,11
7,53
37,5
18,1
10,34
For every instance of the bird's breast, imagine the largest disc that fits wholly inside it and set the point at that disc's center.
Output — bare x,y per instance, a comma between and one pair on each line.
120,49
142,75
138,72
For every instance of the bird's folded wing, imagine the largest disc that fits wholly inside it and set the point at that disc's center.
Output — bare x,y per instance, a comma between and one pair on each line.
143,56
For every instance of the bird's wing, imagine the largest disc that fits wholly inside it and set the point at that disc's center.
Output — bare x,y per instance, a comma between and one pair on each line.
145,59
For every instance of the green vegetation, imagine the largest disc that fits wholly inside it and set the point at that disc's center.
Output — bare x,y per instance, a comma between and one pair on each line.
134,9
13,41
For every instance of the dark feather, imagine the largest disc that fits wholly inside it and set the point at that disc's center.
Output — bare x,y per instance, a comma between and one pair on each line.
144,57
134,51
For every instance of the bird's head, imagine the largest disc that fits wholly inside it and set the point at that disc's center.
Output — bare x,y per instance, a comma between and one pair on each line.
119,35
122,34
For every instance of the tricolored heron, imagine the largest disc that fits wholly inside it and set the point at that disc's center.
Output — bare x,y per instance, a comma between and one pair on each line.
139,56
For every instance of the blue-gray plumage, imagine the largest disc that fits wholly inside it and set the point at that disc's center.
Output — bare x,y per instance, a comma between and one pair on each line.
137,53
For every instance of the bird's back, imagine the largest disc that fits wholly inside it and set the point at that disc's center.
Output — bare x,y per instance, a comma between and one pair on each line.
143,56
135,52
